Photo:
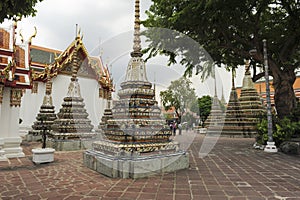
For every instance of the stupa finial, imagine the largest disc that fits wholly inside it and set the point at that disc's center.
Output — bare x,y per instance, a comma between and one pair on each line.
137,39
215,81
247,67
75,64
233,72
48,69
223,101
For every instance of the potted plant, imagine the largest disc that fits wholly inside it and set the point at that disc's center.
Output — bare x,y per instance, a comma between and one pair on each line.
43,155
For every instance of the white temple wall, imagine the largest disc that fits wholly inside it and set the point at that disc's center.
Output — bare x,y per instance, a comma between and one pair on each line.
30,106
9,127
89,89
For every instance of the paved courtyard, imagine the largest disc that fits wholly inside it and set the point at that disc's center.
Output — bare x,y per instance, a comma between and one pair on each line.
232,170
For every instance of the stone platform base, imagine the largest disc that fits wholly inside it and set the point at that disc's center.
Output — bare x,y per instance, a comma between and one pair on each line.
137,166
2,156
33,138
11,147
69,145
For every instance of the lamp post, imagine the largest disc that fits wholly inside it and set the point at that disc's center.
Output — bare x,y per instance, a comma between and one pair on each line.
270,147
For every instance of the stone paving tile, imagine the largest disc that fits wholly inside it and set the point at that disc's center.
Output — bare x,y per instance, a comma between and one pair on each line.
232,170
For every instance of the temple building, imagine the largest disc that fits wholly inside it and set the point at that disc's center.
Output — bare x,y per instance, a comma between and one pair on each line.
94,78
14,81
136,139
23,83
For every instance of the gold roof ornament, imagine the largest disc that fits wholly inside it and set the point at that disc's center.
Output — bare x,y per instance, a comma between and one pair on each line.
32,36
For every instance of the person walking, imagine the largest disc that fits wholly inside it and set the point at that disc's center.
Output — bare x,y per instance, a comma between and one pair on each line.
174,128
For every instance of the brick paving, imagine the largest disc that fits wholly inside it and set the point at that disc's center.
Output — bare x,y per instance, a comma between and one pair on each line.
232,170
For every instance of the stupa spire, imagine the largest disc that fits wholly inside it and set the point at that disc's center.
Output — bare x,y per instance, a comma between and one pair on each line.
223,101
48,80
233,77
215,81
75,65
137,35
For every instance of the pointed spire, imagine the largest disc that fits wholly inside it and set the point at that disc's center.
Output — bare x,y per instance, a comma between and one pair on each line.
216,89
137,40
75,65
223,101
232,77
215,80
48,80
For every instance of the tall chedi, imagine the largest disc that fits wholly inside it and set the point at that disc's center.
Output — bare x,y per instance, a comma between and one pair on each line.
72,130
250,103
46,115
234,123
215,120
137,140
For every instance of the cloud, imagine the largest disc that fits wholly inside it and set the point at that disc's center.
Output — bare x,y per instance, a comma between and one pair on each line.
106,24
99,20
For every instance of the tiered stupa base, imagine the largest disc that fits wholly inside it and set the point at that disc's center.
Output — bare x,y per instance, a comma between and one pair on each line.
44,120
71,141
72,130
215,120
234,124
117,161
137,140
251,105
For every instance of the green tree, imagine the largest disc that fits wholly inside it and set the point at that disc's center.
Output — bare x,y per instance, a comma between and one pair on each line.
179,95
204,105
228,30
11,9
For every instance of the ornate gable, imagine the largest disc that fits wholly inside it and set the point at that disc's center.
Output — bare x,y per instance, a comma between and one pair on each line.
90,67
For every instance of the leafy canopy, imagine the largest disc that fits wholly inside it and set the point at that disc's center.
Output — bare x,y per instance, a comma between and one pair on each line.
204,103
229,29
12,9
180,95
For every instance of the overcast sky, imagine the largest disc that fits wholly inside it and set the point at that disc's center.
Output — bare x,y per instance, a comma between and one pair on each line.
107,27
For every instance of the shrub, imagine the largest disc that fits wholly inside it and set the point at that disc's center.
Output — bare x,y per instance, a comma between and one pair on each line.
283,130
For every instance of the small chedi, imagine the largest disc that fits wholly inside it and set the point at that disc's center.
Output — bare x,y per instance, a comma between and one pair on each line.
243,113
46,115
136,140
235,122
72,130
215,120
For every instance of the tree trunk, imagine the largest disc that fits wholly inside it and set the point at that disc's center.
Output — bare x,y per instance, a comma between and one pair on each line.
284,97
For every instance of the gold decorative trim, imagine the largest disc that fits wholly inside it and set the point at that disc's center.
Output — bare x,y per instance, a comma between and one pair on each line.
34,89
15,97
